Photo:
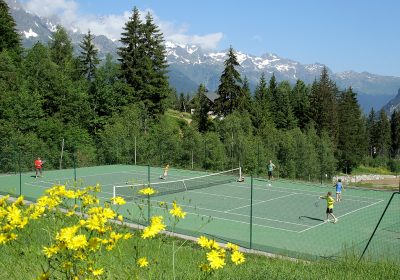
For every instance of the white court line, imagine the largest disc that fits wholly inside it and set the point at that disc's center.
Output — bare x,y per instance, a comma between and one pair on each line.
259,202
316,192
262,218
221,195
235,214
342,216
225,219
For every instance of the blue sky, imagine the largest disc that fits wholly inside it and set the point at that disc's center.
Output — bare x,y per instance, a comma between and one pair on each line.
345,35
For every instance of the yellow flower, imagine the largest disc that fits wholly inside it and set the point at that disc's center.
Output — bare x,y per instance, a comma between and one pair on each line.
215,260
3,238
120,218
237,257
44,276
147,191
128,235
155,227
213,245
70,194
77,242
98,272
79,256
94,243
232,247
108,213
19,201
70,213
3,200
203,241
66,234
177,211
118,200
50,251
67,265
142,262
115,236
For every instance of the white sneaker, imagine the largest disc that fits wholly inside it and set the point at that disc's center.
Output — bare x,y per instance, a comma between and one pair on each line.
335,221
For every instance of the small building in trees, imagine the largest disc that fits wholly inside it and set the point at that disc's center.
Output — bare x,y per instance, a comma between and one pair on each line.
211,96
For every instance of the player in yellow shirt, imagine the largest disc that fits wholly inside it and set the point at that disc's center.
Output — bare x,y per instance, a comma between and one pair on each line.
165,172
329,206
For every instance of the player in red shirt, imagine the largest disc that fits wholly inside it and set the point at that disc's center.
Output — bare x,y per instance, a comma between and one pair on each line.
38,166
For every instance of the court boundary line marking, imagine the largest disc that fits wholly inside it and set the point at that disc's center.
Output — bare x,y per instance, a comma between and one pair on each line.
237,214
227,211
310,191
220,218
303,192
304,230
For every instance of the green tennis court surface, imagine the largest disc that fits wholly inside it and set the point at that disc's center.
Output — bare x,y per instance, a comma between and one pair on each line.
283,218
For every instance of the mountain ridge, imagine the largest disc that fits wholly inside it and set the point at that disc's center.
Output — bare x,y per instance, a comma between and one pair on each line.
190,65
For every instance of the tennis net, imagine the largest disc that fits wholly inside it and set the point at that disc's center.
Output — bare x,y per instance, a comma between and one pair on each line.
131,191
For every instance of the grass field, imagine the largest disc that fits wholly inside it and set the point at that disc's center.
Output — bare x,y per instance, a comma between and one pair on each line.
24,260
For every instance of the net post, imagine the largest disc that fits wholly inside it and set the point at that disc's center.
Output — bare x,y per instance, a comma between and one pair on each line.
148,209
114,194
251,211
148,174
184,184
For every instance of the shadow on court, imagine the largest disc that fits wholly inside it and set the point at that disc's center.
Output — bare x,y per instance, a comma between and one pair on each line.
311,218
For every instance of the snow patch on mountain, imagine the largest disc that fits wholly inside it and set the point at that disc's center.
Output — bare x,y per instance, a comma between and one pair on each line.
30,33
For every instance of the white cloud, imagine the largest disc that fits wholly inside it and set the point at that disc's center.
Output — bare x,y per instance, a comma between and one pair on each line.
111,25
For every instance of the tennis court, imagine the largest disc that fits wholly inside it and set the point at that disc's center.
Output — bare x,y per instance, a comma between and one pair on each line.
285,218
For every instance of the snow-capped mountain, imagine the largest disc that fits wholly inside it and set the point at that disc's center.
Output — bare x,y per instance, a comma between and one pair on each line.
191,65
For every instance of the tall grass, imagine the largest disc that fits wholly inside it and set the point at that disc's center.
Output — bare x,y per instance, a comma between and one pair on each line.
23,259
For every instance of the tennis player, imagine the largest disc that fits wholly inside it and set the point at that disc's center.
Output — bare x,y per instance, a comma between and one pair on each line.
339,188
165,172
38,166
329,206
270,168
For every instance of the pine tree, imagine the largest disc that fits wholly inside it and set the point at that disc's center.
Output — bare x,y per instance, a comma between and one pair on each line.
88,57
244,104
323,105
351,138
156,86
61,48
301,104
261,109
272,96
230,86
383,137
144,64
131,53
201,109
395,133
372,132
260,94
9,37
283,114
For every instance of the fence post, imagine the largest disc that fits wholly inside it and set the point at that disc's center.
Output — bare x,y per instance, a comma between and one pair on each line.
251,212
74,163
377,225
20,172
